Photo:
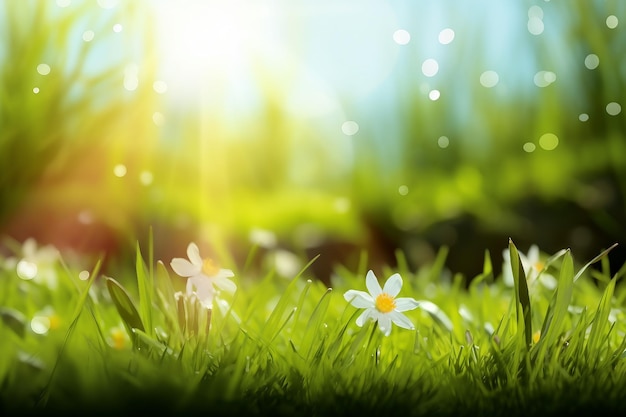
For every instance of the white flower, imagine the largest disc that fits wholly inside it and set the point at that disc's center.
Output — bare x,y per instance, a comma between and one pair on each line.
533,267
203,275
381,304
36,263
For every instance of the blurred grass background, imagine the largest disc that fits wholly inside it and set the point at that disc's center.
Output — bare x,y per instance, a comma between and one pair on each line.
312,129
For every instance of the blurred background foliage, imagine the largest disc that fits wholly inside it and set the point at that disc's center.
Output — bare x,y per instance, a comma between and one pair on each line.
299,128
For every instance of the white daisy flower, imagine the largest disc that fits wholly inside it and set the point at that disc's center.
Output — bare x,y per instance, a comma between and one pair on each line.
381,304
203,275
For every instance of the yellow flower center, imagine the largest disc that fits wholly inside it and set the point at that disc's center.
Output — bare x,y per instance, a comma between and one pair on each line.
385,303
538,266
210,268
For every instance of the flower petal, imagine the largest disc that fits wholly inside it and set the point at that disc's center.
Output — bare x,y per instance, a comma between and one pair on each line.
359,299
365,315
406,304
371,282
202,288
29,248
184,268
384,324
401,320
226,273
532,255
225,284
193,253
393,285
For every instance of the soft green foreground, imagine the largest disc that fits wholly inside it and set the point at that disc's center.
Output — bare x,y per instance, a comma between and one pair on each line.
291,347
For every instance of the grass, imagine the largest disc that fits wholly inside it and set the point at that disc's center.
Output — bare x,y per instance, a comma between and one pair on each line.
121,345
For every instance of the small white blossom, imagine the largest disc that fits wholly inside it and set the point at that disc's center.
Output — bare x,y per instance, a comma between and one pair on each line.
533,267
203,275
381,304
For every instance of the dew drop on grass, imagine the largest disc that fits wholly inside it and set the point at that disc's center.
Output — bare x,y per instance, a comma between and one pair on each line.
443,142
36,90
529,147
434,95
583,117
403,190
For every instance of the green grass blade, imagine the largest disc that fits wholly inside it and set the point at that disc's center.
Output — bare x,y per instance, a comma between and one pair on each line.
145,287
522,297
125,306
594,260
557,311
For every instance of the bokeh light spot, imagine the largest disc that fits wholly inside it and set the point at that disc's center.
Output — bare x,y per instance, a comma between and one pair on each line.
119,170
158,118
350,128
548,141
583,117
88,35
430,67
63,3
26,269
401,37
535,11
529,147
85,217
612,22
613,108
40,324
535,25
146,177
544,78
160,86
107,4
489,79
83,275
592,61
446,36
43,69
434,95
117,28
131,79
36,90
342,205
403,190
443,142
